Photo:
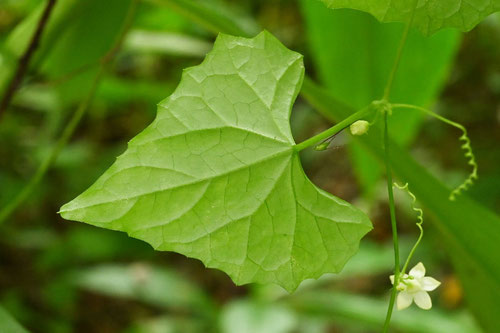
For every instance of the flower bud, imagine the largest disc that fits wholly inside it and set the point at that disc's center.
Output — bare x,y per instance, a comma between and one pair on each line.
359,127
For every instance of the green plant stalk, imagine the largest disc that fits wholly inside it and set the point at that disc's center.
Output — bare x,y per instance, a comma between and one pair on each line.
365,112
71,125
394,226
404,37
417,243
388,167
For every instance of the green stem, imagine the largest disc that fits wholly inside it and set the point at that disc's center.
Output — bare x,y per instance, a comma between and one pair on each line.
405,267
393,222
387,92
72,124
404,37
334,129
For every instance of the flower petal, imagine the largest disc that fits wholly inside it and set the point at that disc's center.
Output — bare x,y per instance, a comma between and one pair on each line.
429,283
423,300
404,300
392,279
418,271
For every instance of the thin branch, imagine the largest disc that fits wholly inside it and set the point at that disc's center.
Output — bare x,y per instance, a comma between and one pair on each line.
24,60
388,168
392,75
392,211
72,124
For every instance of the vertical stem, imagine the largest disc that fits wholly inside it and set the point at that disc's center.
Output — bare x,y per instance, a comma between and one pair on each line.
387,92
395,66
393,222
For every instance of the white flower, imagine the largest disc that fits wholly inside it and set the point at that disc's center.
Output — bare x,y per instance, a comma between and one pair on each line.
414,287
359,127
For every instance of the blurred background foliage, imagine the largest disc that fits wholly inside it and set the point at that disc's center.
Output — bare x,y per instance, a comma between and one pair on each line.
59,276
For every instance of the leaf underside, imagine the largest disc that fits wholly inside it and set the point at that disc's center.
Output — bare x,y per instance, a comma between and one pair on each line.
216,176
430,15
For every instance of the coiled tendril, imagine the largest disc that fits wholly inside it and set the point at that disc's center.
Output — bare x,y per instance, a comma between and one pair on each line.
420,221
471,160
466,146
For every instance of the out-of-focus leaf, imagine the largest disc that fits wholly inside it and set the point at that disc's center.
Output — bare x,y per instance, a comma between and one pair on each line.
153,17
120,91
354,54
361,311
166,43
8,324
78,33
149,284
217,177
248,316
93,28
168,324
84,244
212,16
430,15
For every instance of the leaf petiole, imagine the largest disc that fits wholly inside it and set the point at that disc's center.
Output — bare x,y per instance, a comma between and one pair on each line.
321,137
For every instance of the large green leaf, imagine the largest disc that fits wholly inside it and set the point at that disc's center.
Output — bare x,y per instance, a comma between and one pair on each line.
216,175
430,15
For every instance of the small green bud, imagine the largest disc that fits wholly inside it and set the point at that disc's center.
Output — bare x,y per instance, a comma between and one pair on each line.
322,146
359,127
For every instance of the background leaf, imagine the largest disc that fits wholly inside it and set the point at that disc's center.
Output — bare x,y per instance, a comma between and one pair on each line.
153,285
250,317
87,26
360,312
9,324
430,15
216,176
